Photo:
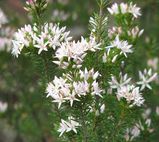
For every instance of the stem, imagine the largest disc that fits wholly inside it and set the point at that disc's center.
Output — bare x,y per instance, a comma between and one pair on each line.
37,13
118,126
46,69
84,126
101,6
100,18
116,129
99,38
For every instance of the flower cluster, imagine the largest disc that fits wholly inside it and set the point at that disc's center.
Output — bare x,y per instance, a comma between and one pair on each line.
122,45
65,88
131,94
125,8
67,126
134,32
119,37
74,52
144,124
127,91
112,32
132,133
51,36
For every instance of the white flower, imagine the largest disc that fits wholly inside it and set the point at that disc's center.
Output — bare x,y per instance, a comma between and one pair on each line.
24,35
114,9
17,47
123,8
59,99
72,98
135,132
69,125
124,80
74,52
58,89
122,45
3,106
134,10
131,94
145,78
81,88
89,74
95,89
56,34
63,127
132,133
22,38
42,45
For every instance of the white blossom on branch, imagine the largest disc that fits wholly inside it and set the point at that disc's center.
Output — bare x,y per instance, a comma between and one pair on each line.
131,94
74,52
125,8
115,84
50,36
69,125
146,77
68,88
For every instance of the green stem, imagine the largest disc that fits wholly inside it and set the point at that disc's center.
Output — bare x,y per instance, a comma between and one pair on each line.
84,126
37,13
101,6
118,126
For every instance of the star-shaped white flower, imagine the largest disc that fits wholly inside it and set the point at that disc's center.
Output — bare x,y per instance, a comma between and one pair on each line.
146,78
